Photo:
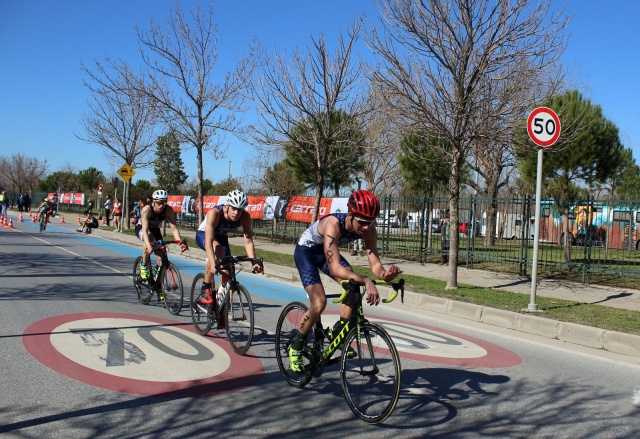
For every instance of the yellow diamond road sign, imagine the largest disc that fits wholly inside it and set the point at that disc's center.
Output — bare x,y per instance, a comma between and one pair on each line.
126,172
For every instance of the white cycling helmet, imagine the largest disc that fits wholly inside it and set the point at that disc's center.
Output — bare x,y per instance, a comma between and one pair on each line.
160,195
237,199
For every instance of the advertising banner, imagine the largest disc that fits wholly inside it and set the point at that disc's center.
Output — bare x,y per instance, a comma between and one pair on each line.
175,201
301,208
256,207
208,201
270,205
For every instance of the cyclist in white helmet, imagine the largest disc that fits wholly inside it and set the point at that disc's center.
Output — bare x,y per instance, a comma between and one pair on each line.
211,236
148,228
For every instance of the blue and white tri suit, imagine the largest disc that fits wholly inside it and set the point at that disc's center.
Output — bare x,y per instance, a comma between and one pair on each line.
309,252
220,231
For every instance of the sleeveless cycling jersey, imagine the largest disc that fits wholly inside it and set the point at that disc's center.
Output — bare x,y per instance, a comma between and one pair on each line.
223,226
312,238
156,219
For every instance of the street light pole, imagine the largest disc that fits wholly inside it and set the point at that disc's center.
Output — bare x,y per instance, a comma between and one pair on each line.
229,170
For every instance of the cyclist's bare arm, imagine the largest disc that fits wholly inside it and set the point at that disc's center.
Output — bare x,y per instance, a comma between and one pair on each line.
329,228
213,219
171,217
370,238
245,221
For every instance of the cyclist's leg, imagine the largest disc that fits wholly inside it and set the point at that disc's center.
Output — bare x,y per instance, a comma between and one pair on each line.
206,296
307,260
144,266
221,249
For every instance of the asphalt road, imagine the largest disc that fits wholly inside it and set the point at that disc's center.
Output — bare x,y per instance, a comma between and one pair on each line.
66,297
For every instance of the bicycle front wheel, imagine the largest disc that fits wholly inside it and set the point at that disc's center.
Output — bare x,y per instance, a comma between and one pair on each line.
286,330
143,289
371,380
172,288
201,315
240,323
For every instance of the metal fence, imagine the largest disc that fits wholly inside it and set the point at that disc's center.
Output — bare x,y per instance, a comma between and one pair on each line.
497,234
603,236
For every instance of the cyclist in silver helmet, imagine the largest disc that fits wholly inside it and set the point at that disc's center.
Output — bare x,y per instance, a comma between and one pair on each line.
148,227
211,236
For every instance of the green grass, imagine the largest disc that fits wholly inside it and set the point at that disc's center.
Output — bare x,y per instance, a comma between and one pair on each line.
562,310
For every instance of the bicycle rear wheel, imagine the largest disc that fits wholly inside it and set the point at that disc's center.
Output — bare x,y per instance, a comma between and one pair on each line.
172,288
201,315
143,289
371,380
286,329
240,323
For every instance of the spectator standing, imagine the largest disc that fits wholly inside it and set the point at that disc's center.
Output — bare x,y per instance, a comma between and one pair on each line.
117,215
357,248
89,206
4,203
20,202
108,206
27,202
54,204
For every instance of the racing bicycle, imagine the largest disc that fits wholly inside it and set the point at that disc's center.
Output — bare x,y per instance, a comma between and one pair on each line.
369,363
165,279
233,310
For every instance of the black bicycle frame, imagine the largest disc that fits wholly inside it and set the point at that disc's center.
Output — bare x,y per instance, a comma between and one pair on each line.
357,319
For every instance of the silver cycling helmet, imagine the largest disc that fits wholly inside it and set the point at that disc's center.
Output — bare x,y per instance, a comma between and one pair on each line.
237,199
160,195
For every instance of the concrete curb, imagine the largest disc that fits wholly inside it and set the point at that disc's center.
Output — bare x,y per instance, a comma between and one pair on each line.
612,341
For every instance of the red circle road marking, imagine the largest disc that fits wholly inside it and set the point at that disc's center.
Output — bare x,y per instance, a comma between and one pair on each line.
242,372
467,351
436,345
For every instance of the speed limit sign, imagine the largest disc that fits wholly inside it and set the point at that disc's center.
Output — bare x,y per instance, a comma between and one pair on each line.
543,126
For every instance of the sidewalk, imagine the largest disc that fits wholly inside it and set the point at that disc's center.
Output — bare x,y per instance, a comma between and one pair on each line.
533,323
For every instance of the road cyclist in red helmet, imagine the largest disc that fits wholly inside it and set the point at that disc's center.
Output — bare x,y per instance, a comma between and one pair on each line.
318,249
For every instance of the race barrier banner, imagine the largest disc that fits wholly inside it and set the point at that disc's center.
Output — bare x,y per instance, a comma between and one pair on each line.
175,201
69,198
301,208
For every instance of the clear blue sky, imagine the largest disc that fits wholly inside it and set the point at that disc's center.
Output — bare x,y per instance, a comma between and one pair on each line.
43,42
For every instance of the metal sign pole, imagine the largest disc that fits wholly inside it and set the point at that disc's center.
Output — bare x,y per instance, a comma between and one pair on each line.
533,306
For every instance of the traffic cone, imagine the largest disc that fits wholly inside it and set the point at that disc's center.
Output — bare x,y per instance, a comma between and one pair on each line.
34,218
104,221
78,220
20,219
11,224
4,221
61,219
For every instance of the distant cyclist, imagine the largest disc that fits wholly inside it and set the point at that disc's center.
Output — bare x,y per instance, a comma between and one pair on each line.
44,209
318,249
148,228
212,237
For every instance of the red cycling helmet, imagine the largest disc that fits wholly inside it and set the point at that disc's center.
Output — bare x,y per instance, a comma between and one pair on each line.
365,204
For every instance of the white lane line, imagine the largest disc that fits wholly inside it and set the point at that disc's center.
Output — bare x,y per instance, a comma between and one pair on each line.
86,258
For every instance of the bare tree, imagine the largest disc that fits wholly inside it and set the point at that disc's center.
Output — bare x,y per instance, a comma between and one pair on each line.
21,172
120,119
182,58
298,95
382,170
452,68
